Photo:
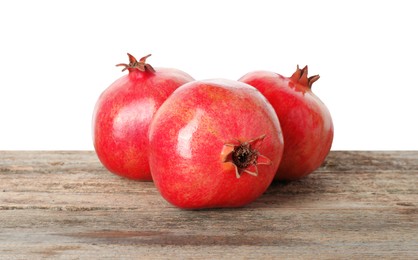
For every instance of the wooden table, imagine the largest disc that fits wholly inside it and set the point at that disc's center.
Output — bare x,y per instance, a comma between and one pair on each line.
64,204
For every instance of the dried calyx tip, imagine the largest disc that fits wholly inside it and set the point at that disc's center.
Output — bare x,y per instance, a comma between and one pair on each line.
301,76
245,157
135,64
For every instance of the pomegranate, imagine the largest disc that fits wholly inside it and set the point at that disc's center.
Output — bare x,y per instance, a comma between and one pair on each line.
123,113
305,120
214,143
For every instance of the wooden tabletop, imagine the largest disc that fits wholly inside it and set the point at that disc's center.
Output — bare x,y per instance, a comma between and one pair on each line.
64,204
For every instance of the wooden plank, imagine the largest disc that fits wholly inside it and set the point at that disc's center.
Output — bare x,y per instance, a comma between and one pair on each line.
64,204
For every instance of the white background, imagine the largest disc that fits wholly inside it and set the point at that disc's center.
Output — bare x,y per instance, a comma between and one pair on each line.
56,57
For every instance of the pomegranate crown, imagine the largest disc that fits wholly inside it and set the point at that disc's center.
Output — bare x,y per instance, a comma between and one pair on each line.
140,65
244,156
301,76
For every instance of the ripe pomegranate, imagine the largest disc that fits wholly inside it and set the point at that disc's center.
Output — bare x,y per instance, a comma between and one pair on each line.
214,143
124,111
306,122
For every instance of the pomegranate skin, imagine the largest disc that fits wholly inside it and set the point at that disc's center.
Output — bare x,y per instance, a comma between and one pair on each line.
190,144
306,123
122,116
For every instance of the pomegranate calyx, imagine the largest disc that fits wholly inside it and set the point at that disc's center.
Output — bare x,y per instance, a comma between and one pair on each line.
301,76
140,65
244,156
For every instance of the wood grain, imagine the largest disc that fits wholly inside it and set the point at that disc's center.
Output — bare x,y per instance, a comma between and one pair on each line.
64,204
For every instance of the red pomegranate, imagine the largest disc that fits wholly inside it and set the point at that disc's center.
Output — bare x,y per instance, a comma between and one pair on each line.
305,120
124,111
214,143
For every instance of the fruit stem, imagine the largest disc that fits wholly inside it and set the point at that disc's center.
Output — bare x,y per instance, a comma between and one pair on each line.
140,65
301,76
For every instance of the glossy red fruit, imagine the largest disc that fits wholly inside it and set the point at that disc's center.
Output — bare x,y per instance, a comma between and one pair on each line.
305,120
214,143
123,113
